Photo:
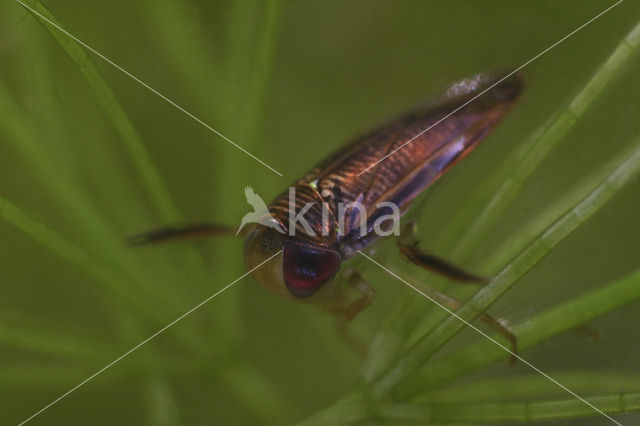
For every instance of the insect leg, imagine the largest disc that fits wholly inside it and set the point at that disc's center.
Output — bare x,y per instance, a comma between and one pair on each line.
588,332
499,326
505,332
179,232
409,247
345,314
358,283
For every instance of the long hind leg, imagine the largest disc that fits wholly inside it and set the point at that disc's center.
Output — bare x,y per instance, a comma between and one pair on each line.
453,304
408,246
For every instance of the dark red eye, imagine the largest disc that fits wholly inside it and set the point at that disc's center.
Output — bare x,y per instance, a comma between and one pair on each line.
306,267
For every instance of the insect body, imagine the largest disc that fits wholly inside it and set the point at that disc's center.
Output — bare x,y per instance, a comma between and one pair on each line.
381,167
309,262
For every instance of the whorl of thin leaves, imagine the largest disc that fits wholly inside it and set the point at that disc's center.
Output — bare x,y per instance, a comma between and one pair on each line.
400,382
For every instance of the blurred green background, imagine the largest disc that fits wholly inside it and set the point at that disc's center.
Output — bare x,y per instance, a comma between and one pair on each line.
289,81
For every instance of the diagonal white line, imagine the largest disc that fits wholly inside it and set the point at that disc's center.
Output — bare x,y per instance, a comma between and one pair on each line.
493,85
127,73
468,324
144,341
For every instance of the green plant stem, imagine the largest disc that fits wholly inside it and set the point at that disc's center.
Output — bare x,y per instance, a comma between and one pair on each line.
95,231
14,377
44,342
427,346
25,136
134,146
262,68
160,403
520,239
250,57
347,410
516,171
536,329
525,411
31,144
509,178
389,340
108,101
110,278
252,34
174,25
76,255
528,231
520,387
413,323
66,249
257,392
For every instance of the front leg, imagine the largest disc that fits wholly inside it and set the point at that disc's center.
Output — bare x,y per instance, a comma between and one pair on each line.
343,303
367,295
347,312
409,247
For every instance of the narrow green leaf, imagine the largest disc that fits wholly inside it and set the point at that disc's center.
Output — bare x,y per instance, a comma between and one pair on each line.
390,338
160,403
44,342
426,347
501,188
174,25
76,255
522,411
107,99
262,68
514,173
348,410
519,387
534,330
20,376
252,33
258,392
96,233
